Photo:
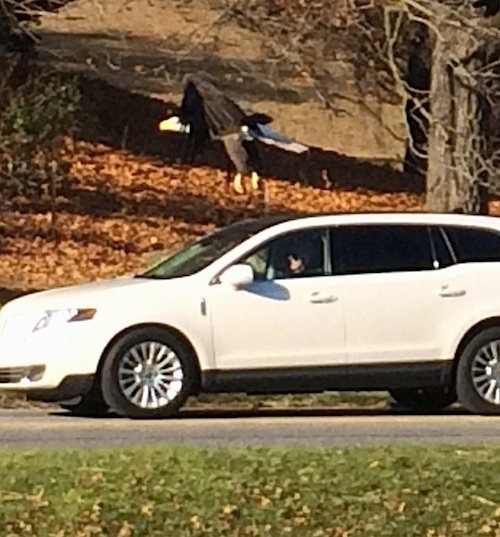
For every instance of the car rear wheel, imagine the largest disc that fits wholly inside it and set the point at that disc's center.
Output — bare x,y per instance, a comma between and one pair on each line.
148,373
424,399
478,373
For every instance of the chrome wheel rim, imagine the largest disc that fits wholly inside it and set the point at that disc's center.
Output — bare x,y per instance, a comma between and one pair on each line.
150,375
486,372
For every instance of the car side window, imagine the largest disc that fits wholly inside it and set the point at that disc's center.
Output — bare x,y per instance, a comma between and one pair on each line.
473,244
367,249
297,254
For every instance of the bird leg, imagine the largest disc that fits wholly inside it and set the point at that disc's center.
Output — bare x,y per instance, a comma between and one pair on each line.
255,180
237,184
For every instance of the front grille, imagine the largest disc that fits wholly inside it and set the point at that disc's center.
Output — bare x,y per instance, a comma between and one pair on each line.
14,375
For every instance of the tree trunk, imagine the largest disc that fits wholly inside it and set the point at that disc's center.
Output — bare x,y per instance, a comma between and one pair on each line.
455,181
418,78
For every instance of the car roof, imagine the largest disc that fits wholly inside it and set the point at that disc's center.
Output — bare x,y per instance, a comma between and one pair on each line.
261,228
282,223
408,217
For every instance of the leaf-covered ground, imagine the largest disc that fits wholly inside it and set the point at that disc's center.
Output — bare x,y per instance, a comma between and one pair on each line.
123,209
158,492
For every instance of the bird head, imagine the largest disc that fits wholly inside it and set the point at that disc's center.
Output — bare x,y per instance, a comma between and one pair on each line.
173,124
245,131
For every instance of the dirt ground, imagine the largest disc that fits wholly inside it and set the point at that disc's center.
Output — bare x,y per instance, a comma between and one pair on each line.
121,210
148,45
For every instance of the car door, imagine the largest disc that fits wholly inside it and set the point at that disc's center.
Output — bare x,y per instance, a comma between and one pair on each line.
402,293
283,318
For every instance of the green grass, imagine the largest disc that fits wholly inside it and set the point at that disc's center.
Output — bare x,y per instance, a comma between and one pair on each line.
180,491
327,399
15,400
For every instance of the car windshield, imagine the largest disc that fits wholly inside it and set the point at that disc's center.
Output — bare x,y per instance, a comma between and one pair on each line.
202,252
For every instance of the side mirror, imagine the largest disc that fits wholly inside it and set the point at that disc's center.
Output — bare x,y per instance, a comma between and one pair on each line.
237,276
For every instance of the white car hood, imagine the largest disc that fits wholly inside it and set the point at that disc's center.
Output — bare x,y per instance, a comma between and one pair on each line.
106,292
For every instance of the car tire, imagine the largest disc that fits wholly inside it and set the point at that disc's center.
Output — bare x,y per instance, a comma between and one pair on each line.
477,367
132,383
432,399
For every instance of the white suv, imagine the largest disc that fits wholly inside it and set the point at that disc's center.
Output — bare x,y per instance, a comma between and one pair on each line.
408,303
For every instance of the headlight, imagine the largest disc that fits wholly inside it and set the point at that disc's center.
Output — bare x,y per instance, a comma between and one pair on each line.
69,315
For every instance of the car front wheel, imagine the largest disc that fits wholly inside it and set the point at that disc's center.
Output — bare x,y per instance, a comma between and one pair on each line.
148,373
424,399
478,373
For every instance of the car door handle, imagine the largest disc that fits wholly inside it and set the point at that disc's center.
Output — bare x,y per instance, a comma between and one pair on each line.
446,291
322,298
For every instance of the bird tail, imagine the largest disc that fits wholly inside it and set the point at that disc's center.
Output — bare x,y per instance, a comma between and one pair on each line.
269,136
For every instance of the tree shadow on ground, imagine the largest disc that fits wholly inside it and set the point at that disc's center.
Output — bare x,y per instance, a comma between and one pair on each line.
104,202
128,120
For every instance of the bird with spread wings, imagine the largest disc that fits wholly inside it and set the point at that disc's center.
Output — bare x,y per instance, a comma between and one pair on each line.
206,113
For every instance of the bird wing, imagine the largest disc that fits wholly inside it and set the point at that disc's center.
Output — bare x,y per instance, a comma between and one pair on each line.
258,118
205,106
192,113
221,114
269,136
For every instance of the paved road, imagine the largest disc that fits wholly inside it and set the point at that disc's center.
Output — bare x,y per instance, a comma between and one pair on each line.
37,428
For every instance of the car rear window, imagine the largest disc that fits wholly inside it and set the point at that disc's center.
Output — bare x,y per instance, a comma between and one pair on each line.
473,244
